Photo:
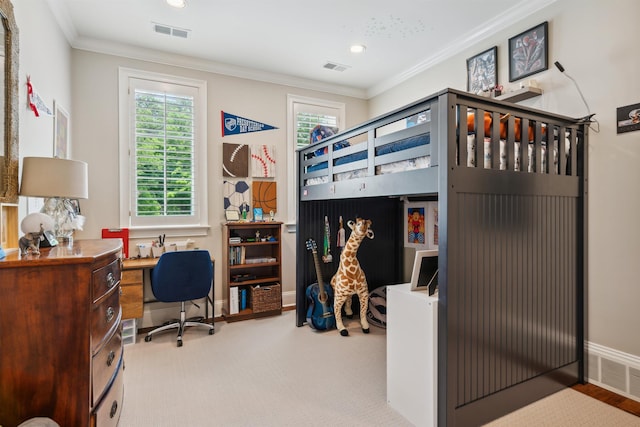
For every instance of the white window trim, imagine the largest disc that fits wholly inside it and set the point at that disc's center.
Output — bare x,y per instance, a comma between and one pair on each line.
124,75
292,158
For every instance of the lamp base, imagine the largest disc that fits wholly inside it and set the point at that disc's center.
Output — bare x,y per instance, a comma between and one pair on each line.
64,217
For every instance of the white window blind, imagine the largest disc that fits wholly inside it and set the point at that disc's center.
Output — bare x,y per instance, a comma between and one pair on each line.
163,153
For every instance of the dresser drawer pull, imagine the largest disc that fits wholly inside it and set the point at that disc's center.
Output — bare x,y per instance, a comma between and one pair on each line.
110,357
111,280
110,314
114,409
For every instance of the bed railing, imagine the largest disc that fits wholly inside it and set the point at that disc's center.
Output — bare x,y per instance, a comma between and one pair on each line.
403,145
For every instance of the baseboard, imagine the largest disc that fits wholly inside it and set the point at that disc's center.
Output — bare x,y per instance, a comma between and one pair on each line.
613,370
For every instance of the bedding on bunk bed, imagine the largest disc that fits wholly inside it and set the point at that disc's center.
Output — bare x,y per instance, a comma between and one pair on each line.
425,161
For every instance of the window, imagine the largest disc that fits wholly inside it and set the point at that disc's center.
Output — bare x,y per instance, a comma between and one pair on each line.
303,115
162,153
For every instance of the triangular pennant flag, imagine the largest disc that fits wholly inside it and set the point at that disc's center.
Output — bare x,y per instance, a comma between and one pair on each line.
235,125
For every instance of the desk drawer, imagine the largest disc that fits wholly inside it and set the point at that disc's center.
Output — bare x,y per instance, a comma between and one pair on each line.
104,279
107,414
105,363
105,316
131,300
131,277
131,296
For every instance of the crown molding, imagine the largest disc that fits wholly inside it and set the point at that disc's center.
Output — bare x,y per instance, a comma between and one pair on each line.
520,11
501,21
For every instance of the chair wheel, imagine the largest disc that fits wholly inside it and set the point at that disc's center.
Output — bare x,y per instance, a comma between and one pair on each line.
147,338
210,331
180,343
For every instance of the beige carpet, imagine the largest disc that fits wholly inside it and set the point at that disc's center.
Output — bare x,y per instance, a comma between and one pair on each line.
268,372
568,408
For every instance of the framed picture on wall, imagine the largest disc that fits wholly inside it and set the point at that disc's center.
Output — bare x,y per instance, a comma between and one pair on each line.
415,225
421,225
529,52
61,130
628,118
482,71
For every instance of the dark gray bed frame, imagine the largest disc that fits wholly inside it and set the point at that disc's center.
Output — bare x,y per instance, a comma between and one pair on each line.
512,245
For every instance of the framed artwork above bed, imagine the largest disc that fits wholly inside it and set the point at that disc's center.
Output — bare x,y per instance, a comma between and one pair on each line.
482,71
529,52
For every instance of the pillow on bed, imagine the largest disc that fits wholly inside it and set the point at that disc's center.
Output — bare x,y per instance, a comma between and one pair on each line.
503,126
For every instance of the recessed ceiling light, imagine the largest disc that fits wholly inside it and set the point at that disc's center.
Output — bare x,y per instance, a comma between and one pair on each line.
177,3
358,48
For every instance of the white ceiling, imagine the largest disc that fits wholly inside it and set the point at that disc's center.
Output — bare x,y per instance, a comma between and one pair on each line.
289,41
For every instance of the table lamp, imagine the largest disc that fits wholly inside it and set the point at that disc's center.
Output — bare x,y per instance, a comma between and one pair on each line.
59,181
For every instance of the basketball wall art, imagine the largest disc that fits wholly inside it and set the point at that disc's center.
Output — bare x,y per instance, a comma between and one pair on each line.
235,160
265,196
263,161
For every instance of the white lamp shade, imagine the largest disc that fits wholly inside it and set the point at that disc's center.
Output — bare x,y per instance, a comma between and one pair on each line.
53,177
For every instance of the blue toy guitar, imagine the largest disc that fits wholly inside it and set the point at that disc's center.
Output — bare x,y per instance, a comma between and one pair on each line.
319,297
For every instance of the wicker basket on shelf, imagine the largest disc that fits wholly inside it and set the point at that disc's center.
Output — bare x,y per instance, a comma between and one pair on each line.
266,297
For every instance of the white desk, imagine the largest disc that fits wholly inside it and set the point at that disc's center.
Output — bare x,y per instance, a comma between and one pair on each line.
412,353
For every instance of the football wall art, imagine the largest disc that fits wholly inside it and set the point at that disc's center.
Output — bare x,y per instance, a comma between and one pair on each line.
235,160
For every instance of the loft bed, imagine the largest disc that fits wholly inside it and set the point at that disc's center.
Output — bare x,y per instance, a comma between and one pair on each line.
512,237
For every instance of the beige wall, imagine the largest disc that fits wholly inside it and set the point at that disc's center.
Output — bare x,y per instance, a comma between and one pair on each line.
45,55
95,131
594,41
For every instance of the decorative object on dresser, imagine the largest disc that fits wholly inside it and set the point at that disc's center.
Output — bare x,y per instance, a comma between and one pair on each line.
62,355
350,279
182,276
34,226
59,181
252,267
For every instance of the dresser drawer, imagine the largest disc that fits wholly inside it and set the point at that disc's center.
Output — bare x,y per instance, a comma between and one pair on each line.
105,316
104,279
105,363
107,414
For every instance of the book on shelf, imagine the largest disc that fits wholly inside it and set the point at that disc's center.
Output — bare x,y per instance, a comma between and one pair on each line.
259,260
237,255
243,299
233,301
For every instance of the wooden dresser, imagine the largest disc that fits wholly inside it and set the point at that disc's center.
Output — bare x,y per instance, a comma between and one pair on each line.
60,335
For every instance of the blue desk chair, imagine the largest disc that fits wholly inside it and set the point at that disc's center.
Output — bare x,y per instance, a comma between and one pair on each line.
179,277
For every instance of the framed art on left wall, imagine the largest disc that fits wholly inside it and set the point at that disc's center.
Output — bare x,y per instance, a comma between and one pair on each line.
61,131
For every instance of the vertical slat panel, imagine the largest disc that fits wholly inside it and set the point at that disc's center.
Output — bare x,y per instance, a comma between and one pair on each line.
516,258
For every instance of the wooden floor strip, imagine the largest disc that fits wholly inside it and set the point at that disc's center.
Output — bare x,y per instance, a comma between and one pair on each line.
609,397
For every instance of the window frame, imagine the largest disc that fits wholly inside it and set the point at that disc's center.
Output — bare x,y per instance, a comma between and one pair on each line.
198,226
313,105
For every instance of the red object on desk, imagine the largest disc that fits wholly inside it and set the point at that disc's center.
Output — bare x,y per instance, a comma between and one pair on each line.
114,233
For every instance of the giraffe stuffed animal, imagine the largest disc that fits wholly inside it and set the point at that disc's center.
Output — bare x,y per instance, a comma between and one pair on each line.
350,279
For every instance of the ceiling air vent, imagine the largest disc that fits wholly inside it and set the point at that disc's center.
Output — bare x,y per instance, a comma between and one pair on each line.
170,31
335,66
180,33
162,29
